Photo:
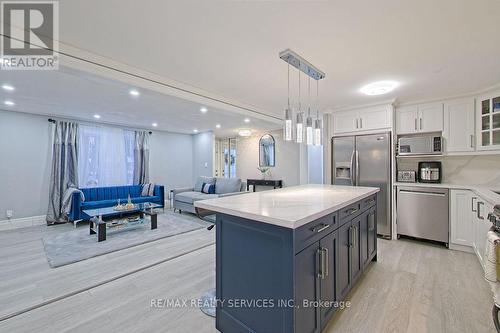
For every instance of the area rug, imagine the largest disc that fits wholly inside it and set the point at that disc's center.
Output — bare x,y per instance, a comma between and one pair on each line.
77,245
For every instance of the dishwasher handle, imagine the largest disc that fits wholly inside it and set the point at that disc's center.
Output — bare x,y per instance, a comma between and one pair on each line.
438,194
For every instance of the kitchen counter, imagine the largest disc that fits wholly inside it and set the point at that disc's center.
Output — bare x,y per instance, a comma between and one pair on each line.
290,207
276,249
485,192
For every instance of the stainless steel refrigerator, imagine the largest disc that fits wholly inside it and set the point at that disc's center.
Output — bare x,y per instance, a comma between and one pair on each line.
365,160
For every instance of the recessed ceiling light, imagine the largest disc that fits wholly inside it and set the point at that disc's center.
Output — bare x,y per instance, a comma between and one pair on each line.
154,124
379,88
9,103
96,116
134,92
247,120
217,126
8,87
195,131
203,109
245,132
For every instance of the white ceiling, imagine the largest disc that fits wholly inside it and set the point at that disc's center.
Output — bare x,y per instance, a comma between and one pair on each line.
230,48
70,93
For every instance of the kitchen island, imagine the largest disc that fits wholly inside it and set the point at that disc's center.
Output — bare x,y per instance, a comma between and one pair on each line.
286,258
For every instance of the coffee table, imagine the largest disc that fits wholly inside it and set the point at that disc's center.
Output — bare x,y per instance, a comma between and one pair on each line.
109,219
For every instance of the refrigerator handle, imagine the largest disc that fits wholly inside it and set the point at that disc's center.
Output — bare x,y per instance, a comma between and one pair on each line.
357,167
352,168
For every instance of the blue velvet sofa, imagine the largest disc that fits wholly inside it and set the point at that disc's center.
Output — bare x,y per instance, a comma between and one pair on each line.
100,197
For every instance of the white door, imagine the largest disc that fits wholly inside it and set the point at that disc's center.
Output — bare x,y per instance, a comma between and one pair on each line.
430,117
459,129
461,226
345,122
406,120
375,118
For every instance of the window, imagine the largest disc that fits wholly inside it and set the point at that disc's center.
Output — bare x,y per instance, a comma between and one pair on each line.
105,156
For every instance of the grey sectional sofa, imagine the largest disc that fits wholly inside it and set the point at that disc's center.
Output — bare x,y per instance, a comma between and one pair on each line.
184,198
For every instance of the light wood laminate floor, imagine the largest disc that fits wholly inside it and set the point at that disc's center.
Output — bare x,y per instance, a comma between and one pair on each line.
414,287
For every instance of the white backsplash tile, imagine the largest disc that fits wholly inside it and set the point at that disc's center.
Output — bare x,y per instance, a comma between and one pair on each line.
476,170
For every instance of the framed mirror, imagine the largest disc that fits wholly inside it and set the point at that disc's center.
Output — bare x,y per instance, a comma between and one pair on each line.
267,151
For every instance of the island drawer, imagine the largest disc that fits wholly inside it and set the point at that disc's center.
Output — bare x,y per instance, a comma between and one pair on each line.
314,231
368,202
350,211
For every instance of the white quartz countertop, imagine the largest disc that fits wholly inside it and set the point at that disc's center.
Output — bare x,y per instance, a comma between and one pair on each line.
485,192
289,207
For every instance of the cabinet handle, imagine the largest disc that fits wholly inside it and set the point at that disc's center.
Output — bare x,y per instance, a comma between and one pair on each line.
369,202
416,124
354,236
420,123
472,141
361,122
473,204
323,263
479,203
350,237
320,227
351,211
357,123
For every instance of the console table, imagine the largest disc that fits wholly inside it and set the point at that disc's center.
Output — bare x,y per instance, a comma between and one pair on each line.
263,182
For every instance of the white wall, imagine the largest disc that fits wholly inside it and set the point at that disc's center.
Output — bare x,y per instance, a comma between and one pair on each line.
203,155
25,150
288,159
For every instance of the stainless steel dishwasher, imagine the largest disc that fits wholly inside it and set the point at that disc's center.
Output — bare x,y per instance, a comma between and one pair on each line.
423,212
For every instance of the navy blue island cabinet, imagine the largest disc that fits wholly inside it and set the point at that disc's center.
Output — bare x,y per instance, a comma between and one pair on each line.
273,279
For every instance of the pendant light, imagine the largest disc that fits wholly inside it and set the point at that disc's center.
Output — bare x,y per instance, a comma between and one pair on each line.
309,122
317,123
288,125
300,121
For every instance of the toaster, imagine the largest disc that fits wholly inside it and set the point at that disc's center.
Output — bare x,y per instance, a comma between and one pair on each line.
407,176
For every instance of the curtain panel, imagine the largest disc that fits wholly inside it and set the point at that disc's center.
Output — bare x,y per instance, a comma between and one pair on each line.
141,157
64,171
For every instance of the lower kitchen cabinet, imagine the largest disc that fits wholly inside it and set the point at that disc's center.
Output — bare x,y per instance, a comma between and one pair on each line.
481,227
462,215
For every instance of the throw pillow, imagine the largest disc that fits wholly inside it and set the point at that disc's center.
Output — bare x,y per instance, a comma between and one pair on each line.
151,189
208,188
201,180
147,189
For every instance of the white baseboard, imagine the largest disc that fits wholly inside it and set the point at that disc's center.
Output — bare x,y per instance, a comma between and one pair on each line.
22,222
462,248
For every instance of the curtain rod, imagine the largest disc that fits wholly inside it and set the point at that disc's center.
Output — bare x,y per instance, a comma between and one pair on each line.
53,122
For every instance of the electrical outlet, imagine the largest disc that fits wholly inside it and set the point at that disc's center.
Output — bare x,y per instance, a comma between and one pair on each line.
9,213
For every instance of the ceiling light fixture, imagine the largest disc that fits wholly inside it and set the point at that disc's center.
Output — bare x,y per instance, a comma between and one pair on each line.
154,124
9,103
134,93
318,124
379,88
217,126
245,132
195,130
203,109
303,128
8,87
96,116
246,120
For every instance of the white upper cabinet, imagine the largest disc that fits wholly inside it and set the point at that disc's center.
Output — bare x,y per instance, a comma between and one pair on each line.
345,121
430,117
365,119
488,121
419,118
459,128
407,120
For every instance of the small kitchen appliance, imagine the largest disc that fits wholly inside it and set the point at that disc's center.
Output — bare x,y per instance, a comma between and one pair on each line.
427,144
429,172
407,176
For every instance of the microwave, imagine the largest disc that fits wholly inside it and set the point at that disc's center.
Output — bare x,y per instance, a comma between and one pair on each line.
420,145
